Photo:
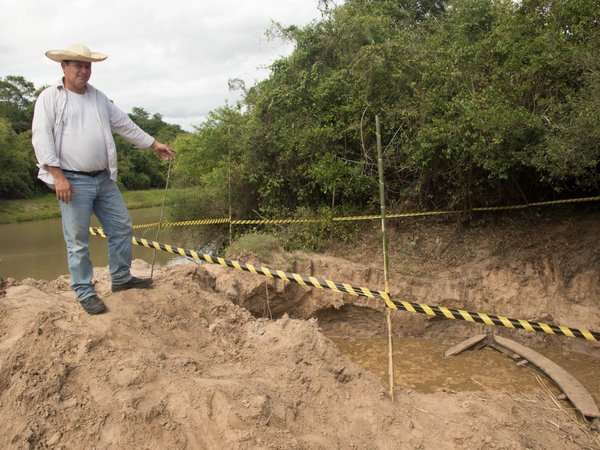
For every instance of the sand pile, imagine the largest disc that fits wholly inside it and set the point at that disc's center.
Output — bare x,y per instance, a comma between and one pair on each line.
181,366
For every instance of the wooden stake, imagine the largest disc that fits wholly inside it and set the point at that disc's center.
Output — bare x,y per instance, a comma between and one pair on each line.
385,256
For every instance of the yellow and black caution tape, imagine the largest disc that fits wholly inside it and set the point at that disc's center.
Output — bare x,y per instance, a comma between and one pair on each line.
366,217
185,223
320,283
535,204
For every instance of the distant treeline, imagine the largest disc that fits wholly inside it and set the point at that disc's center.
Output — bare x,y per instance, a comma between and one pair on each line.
482,102
18,177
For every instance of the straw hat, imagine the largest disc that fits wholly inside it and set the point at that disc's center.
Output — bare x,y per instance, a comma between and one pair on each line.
77,52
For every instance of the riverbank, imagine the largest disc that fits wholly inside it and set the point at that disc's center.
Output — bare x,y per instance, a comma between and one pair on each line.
46,206
218,358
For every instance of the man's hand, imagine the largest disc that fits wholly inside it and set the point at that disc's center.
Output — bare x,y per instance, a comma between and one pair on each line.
163,150
62,187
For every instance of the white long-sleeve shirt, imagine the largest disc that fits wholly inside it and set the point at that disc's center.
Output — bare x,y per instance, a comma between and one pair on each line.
48,122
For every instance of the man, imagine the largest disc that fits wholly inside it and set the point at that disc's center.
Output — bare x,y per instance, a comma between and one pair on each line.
72,137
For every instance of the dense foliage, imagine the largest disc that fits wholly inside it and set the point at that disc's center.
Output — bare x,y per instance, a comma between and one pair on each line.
18,179
482,102
143,169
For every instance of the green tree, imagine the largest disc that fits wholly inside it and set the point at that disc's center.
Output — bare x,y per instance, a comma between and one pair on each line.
16,101
142,169
482,102
570,156
212,159
17,162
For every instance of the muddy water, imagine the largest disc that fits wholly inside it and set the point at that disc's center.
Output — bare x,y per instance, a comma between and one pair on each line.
420,365
36,249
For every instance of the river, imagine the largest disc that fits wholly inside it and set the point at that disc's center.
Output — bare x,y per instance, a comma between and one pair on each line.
37,250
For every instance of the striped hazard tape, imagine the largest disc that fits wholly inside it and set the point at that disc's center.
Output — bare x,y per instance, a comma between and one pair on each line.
369,217
320,283
186,223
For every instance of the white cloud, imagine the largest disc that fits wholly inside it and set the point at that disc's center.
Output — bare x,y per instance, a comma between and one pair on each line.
171,57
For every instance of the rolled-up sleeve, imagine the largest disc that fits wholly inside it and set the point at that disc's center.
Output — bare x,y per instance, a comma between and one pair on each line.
42,136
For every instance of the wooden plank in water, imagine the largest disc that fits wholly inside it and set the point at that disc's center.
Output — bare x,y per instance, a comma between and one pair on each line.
464,345
573,389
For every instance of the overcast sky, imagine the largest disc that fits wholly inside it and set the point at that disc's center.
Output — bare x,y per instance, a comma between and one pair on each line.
172,57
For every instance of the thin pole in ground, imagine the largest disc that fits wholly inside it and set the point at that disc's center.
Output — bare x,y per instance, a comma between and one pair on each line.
229,181
385,255
162,210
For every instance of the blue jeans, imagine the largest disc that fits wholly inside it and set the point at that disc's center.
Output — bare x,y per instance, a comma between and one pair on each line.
101,196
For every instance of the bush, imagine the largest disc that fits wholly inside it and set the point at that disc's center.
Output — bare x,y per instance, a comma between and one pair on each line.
316,236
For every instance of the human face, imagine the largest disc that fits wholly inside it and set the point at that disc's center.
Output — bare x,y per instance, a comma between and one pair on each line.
77,74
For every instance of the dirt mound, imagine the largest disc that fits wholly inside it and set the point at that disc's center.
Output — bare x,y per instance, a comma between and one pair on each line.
187,365
541,267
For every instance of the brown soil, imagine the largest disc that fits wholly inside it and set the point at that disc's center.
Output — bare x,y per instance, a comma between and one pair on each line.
197,361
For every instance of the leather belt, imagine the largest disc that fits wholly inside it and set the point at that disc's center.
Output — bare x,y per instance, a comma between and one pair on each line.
95,173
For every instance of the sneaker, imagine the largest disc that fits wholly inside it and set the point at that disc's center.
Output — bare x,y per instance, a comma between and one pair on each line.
133,283
93,305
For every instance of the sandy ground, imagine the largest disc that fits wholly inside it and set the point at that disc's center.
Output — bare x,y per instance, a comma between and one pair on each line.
197,363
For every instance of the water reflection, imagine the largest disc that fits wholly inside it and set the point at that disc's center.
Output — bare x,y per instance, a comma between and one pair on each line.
36,249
